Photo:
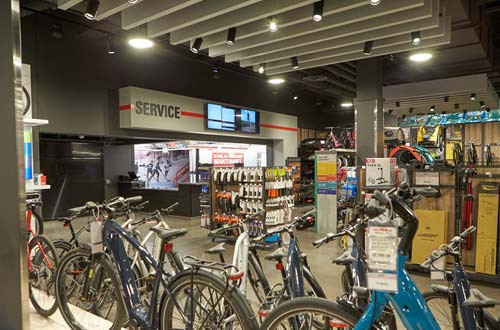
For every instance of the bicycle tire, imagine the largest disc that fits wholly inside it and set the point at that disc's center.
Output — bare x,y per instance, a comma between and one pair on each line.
61,292
317,290
259,284
62,247
36,223
233,298
39,274
302,305
346,283
434,299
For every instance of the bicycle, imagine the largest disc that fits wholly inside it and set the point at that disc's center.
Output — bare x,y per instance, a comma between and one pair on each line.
457,154
471,153
32,216
450,300
193,298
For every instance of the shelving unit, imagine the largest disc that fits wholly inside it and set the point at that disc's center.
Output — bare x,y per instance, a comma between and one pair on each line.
29,123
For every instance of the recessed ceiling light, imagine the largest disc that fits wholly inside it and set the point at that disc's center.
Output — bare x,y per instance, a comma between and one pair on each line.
273,24
141,43
262,68
420,57
295,97
375,2
276,81
346,104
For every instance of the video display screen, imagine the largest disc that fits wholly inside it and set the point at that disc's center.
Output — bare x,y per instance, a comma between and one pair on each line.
249,121
220,117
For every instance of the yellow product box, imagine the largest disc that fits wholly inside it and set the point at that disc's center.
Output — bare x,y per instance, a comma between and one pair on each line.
431,233
487,228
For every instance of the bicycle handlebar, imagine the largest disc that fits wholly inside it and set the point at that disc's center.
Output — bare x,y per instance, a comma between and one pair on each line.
328,238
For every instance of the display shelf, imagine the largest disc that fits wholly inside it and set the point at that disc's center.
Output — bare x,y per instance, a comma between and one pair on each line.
31,122
37,187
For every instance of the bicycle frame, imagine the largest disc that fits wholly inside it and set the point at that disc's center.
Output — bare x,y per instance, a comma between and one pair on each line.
408,303
294,269
462,292
240,256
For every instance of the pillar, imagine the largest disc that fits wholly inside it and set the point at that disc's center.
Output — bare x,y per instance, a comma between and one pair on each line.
14,305
369,110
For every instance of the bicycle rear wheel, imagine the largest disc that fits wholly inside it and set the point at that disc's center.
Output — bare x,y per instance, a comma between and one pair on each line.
438,303
212,305
42,274
303,313
103,308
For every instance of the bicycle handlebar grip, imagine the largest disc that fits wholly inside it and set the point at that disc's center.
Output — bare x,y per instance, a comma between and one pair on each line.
133,199
79,209
308,213
172,206
468,231
427,263
373,211
381,197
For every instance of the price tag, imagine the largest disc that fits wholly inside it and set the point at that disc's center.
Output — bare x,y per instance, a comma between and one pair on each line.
437,269
96,237
382,248
383,282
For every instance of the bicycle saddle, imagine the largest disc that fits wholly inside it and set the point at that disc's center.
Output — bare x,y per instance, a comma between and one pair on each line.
278,254
169,234
345,259
478,300
219,248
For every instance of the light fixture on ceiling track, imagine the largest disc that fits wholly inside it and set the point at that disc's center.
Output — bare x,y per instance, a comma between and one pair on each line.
346,104
410,110
318,11
367,49
91,10
390,111
446,99
110,46
457,106
473,97
398,104
231,36
433,108
482,104
375,2
403,117
416,38
276,81
443,112
420,57
262,68
273,24
295,62
195,48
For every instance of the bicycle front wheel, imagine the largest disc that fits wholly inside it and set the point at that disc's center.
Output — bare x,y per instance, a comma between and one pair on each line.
206,303
438,303
42,274
303,313
88,292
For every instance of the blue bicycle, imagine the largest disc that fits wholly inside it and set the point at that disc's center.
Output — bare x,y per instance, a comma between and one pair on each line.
194,298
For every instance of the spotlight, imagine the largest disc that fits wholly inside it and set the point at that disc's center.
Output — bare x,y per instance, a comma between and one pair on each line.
481,103
420,57
276,81
231,36
346,104
92,7
295,97
447,99
262,68
195,48
141,43
367,49
215,71
390,111
416,39
473,97
132,1
375,2
433,108
457,105
318,11
410,110
110,47
273,24
397,104
295,62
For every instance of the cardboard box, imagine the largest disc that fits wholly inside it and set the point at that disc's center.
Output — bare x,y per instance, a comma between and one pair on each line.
380,172
487,228
431,233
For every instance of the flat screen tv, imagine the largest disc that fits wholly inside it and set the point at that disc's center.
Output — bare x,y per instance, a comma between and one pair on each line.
248,121
220,117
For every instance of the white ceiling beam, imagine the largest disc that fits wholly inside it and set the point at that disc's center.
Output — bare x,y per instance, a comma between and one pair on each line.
260,10
400,29
332,23
67,4
111,7
149,10
198,13
357,48
299,15
357,56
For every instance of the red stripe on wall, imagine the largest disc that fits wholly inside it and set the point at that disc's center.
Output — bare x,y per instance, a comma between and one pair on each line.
192,114
125,107
284,128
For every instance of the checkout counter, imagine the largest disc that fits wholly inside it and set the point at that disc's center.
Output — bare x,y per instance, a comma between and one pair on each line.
188,196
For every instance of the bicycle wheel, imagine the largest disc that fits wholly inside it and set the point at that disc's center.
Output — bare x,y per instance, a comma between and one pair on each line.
257,278
346,282
440,307
301,313
62,247
42,273
212,305
103,308
36,223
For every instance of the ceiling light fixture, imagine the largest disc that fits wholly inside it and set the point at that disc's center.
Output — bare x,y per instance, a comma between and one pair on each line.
473,97
433,108
195,48
133,1
420,57
295,62
390,111
410,110
318,11
488,110
110,47
397,104
346,104
262,68
231,36
403,117
465,112
457,105
375,2
295,97
367,49
276,81
482,104
91,10
416,38
273,24
446,98
443,113
141,43
57,30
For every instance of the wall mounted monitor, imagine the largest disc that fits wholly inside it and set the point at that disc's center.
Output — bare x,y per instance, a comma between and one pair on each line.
220,117
248,121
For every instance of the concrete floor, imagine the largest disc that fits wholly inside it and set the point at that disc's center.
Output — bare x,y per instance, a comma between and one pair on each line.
196,242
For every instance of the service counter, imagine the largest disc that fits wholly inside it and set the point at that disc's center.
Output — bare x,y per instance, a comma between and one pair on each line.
188,196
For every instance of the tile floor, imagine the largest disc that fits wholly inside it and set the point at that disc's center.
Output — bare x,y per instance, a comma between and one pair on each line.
196,242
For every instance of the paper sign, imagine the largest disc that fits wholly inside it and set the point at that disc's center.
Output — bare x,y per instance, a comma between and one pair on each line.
427,178
382,247
383,282
227,159
437,269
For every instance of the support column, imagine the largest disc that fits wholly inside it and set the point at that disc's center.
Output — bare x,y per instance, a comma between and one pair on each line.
14,305
369,110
